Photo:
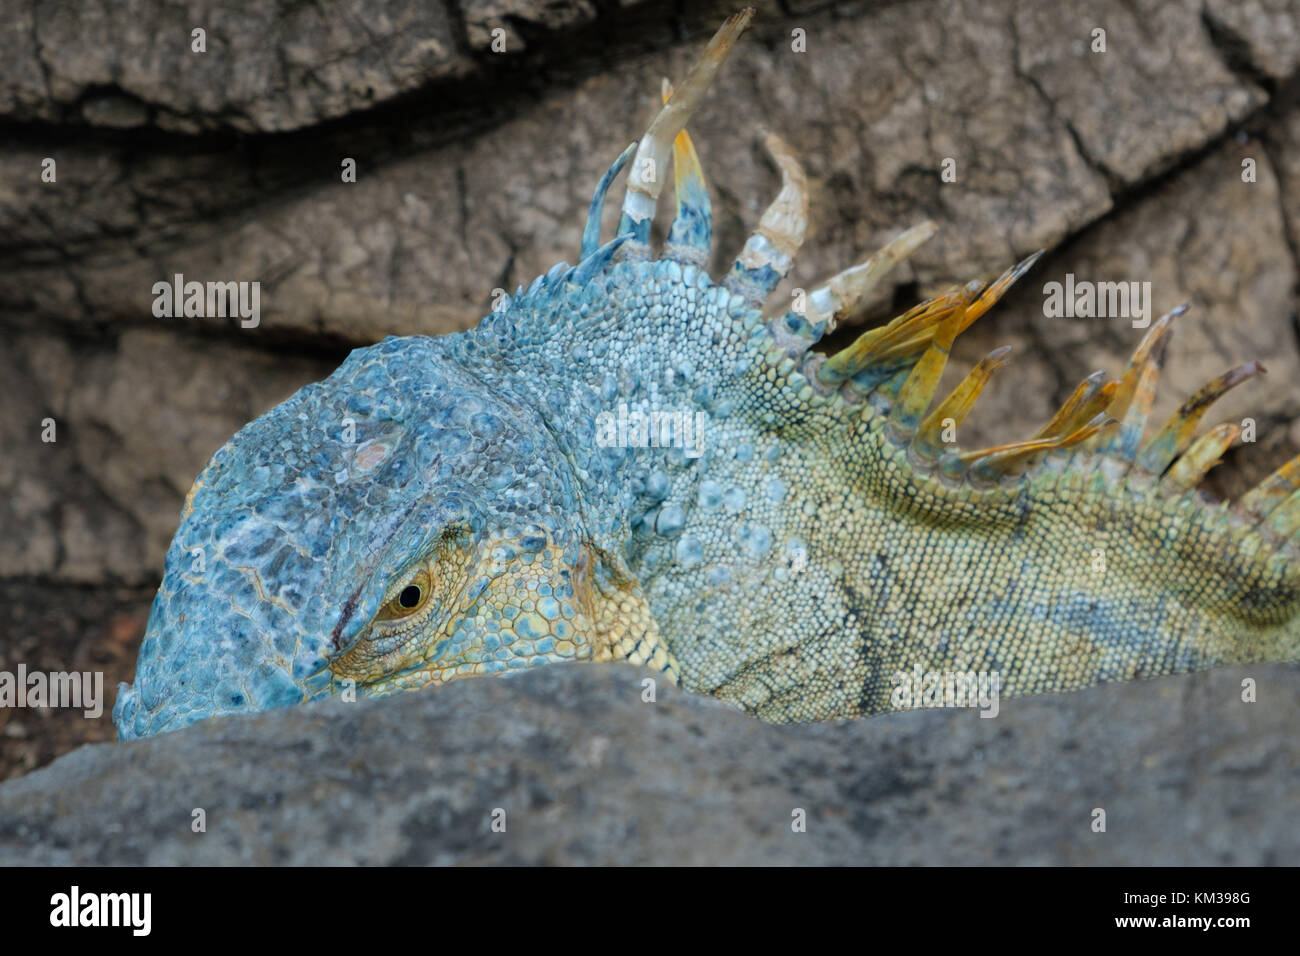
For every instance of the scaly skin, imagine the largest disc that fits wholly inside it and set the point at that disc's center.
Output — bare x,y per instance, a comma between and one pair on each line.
823,540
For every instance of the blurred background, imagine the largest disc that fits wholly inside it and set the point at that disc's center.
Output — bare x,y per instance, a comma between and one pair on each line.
474,169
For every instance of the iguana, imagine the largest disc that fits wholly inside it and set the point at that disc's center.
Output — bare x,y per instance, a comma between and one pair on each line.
489,501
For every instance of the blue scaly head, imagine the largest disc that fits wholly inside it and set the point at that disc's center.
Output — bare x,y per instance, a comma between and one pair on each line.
401,523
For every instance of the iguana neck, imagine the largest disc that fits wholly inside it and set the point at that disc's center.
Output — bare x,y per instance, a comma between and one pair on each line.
637,415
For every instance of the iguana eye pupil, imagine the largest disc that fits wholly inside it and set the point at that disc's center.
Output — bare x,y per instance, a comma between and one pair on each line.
410,596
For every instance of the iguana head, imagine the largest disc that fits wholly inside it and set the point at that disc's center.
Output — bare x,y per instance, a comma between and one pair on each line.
393,526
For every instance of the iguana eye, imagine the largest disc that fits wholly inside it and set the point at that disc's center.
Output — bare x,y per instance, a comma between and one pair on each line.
411,598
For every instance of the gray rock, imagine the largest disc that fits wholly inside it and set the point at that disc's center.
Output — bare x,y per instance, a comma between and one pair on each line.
1259,37
488,187
584,771
267,67
483,17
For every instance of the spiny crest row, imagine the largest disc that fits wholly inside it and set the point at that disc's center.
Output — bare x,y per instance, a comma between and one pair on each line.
901,362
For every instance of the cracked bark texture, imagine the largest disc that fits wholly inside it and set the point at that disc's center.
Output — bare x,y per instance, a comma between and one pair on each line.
475,166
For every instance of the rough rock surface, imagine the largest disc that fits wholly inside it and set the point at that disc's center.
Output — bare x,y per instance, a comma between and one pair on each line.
475,166
259,65
581,770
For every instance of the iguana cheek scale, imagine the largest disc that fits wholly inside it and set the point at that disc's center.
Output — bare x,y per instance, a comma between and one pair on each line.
441,507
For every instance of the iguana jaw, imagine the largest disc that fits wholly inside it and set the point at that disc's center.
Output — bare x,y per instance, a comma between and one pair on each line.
513,608
504,604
